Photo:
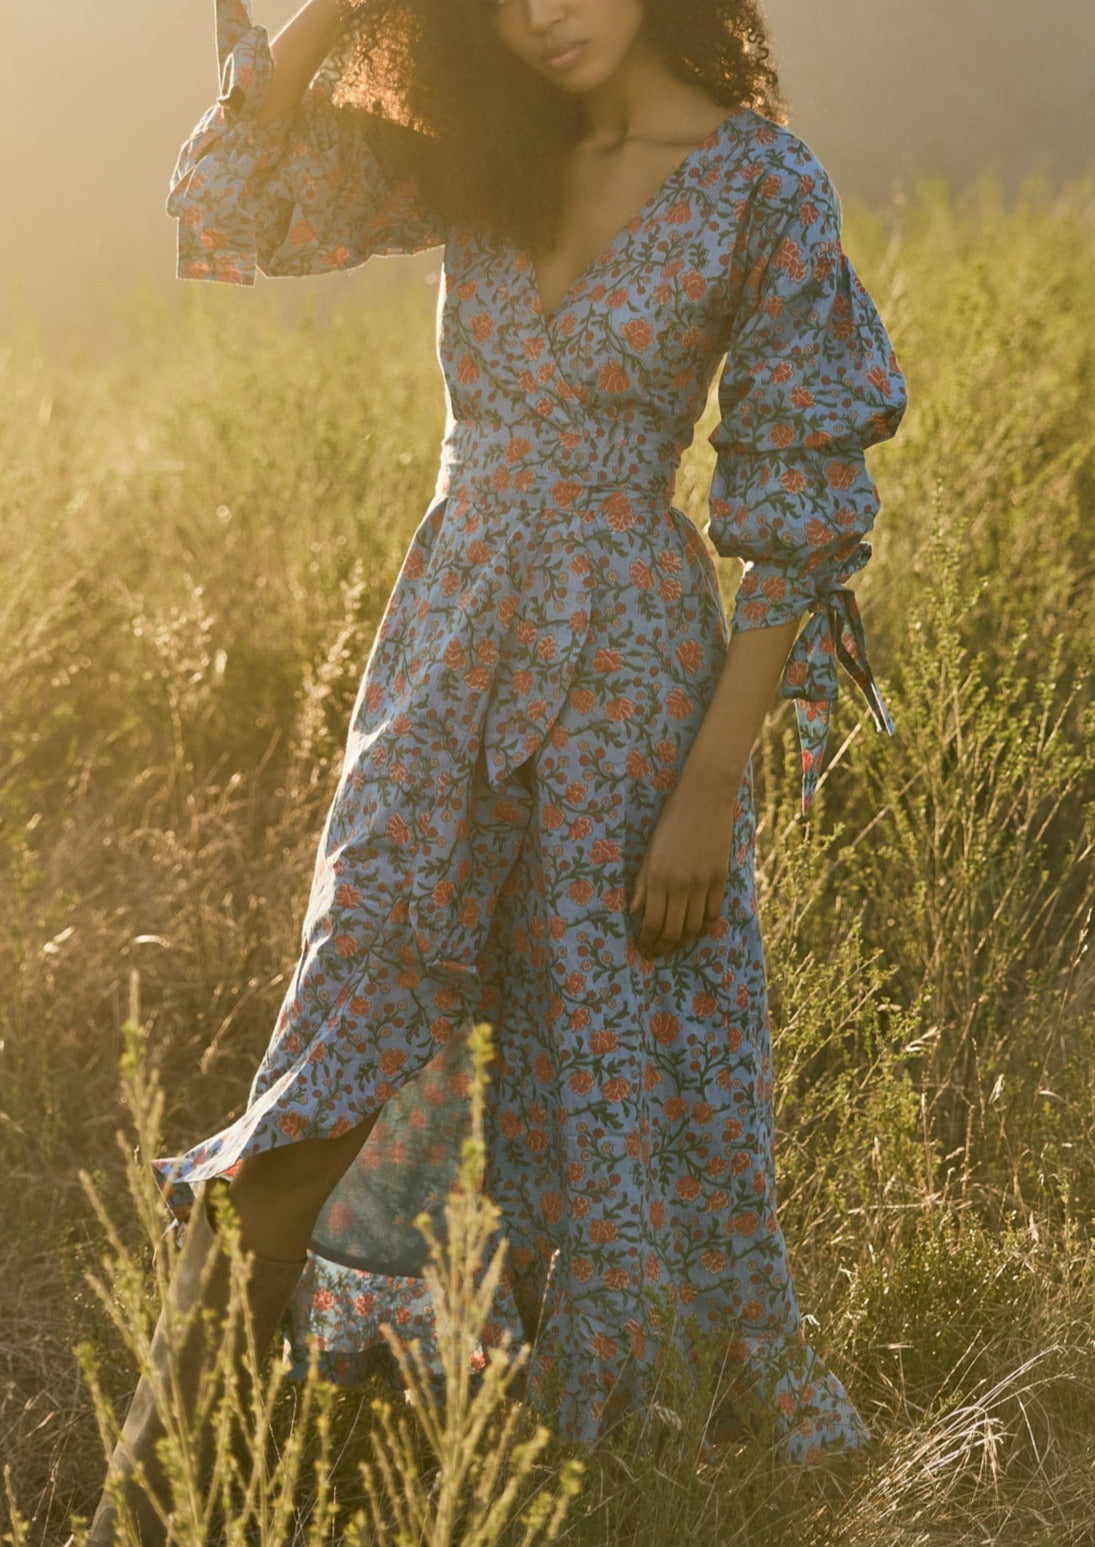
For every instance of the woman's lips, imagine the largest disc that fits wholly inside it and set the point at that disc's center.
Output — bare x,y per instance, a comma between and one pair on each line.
563,58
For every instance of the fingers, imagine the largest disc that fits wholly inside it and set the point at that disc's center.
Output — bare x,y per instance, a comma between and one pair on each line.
672,930
695,917
656,922
670,922
638,895
652,922
668,917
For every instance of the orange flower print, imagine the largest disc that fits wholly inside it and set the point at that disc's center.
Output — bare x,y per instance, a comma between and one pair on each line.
789,258
613,378
565,494
454,656
551,1207
482,327
690,653
639,334
619,514
842,475
665,1027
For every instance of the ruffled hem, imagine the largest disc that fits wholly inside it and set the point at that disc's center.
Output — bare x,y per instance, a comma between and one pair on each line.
780,1389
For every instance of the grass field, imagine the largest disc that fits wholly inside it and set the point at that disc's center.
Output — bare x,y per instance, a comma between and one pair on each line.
196,543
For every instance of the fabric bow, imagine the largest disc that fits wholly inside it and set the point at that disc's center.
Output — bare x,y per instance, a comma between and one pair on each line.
833,633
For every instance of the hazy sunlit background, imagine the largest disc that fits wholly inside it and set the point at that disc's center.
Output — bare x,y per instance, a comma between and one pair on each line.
95,100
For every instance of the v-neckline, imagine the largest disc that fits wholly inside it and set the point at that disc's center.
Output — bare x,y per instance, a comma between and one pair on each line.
548,319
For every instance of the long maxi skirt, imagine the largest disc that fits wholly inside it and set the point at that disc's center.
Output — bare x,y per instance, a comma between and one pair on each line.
629,1110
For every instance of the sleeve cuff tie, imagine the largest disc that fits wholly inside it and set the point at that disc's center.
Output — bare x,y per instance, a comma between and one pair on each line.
833,632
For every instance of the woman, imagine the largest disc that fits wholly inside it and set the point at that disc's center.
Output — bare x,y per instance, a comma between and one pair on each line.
544,817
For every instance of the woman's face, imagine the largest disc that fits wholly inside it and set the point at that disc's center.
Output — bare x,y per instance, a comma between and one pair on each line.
576,43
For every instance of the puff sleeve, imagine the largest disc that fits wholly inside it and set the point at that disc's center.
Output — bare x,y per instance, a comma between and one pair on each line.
303,194
809,383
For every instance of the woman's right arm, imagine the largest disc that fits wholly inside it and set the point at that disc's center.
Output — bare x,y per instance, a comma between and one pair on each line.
298,51
276,178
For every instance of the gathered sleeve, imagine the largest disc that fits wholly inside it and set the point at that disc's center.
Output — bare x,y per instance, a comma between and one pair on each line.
302,194
810,382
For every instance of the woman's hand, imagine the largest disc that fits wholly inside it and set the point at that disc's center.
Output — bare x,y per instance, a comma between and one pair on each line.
682,878
679,888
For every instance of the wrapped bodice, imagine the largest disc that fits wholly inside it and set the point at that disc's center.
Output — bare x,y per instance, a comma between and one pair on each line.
561,428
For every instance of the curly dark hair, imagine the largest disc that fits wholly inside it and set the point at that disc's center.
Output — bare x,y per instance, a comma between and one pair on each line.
489,136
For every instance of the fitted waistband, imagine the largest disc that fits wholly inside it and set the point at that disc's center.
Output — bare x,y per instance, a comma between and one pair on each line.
541,465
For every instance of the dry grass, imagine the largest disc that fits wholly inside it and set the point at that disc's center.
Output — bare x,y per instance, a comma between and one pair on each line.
196,544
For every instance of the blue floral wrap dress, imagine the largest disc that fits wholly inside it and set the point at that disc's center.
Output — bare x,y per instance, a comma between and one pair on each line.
543,664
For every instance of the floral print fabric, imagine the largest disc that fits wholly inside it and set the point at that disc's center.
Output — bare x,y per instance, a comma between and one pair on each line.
542,667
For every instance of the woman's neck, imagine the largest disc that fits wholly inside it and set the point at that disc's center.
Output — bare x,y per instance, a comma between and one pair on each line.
643,102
